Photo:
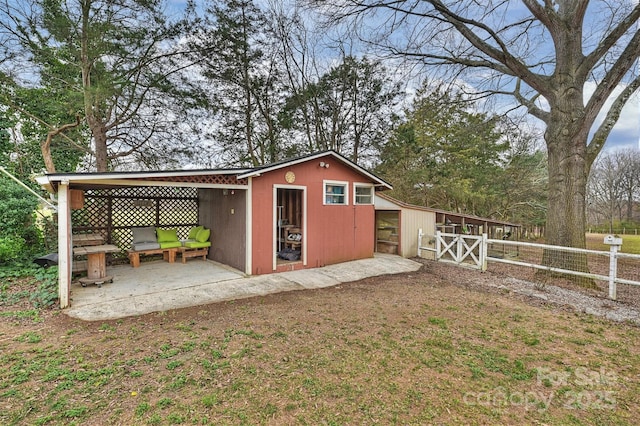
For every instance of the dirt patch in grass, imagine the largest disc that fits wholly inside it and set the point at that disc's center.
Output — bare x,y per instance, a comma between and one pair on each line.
444,345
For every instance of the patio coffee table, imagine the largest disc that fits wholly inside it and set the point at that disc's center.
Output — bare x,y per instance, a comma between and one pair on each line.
188,252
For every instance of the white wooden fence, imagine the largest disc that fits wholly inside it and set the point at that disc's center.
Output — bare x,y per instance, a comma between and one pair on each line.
476,251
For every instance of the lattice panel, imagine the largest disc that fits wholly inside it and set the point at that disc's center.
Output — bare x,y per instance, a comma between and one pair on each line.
211,179
113,212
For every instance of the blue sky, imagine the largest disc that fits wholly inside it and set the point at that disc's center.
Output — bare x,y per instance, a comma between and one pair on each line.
625,134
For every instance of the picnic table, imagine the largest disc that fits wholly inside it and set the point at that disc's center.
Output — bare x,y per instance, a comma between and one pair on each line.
80,240
96,263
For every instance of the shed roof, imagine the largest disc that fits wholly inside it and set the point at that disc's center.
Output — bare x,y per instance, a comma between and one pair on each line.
452,216
288,163
230,178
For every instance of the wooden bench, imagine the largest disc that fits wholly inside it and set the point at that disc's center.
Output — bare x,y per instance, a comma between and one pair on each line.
79,266
168,254
187,252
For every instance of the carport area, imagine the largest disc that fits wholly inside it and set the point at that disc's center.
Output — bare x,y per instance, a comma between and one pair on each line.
161,286
107,206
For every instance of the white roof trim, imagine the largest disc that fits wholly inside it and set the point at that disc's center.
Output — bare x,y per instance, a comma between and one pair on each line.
258,171
81,177
147,178
137,179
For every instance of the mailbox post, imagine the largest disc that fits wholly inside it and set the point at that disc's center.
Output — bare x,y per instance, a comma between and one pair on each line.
614,242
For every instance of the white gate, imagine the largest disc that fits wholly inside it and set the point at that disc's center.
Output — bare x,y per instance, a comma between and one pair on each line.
459,248
472,250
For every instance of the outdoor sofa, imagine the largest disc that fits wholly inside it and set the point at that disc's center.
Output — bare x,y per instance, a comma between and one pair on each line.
150,240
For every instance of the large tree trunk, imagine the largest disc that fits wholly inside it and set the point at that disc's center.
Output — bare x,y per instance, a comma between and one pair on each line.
566,218
102,154
99,134
566,215
45,148
91,101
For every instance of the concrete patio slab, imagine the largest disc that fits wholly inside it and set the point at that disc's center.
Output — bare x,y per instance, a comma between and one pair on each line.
160,286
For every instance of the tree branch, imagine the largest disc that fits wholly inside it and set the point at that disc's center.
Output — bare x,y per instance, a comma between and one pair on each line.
600,136
613,78
21,110
609,41
502,55
45,147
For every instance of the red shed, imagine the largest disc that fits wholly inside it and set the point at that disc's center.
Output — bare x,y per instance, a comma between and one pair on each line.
321,205
302,213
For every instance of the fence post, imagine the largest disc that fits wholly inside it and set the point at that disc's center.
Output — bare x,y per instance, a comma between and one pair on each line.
438,246
613,270
614,243
419,242
459,248
484,250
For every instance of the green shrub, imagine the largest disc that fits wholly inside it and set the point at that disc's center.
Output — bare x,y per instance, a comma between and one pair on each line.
47,292
49,228
18,229
12,248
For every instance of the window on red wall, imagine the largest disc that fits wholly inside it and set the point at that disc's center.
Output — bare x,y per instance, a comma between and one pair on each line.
336,192
363,193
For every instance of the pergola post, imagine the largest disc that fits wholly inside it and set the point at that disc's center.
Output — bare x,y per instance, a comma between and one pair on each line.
64,245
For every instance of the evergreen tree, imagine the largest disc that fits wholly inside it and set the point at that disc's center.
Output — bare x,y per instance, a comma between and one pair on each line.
104,61
242,88
445,156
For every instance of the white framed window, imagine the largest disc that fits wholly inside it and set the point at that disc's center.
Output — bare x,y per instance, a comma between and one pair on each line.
336,192
362,193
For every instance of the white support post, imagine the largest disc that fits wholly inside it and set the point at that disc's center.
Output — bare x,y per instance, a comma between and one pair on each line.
613,270
438,245
614,243
65,255
248,267
420,242
484,249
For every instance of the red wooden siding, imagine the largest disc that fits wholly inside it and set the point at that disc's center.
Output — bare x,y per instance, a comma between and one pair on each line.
335,233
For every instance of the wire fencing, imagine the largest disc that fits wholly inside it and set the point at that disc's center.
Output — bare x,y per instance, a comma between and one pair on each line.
602,273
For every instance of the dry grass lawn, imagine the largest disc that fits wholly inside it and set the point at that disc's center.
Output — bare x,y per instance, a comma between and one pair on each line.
432,347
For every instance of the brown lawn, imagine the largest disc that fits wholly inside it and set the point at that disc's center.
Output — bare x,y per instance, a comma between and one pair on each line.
433,347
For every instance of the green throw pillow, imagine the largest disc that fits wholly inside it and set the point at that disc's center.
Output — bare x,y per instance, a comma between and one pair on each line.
193,232
203,235
167,235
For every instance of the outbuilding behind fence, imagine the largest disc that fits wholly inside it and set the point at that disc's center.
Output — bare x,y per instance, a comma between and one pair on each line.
397,224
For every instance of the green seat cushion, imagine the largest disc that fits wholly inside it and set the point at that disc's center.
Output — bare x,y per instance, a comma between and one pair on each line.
170,244
197,244
203,235
193,232
167,235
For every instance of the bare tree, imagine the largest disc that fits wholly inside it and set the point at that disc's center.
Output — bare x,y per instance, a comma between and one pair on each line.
298,60
629,161
606,192
614,187
350,109
545,56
